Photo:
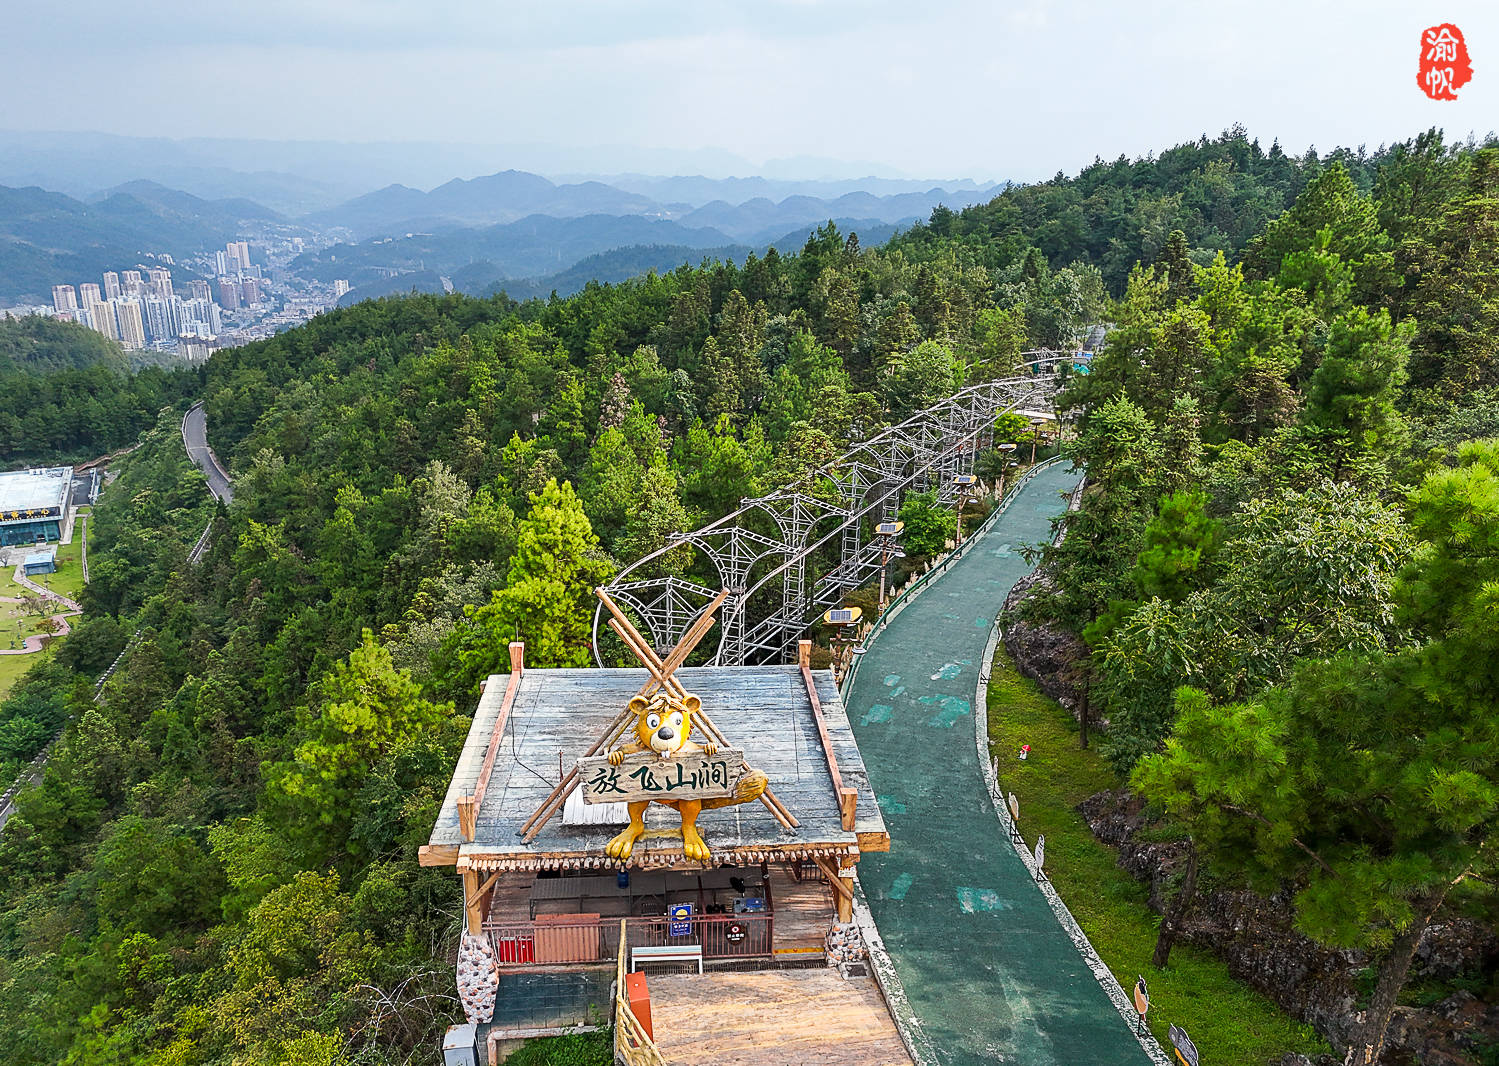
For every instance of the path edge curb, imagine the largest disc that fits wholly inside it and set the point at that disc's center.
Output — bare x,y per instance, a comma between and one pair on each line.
918,1045
1105,977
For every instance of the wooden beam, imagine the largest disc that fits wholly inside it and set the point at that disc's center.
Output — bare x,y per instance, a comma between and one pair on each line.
437,854
469,806
831,873
841,796
558,796
647,655
874,842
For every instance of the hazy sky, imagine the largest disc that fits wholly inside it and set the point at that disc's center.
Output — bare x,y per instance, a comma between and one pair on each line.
930,88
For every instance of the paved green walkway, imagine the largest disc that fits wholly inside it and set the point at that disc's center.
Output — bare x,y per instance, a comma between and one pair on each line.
987,967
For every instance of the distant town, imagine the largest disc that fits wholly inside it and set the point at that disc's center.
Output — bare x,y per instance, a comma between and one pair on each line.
246,301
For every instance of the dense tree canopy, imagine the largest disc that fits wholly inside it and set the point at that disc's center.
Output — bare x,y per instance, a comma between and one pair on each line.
219,864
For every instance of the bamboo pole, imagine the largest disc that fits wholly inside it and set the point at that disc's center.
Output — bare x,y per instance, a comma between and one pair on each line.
647,655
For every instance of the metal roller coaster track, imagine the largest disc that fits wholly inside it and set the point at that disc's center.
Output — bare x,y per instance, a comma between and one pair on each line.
789,555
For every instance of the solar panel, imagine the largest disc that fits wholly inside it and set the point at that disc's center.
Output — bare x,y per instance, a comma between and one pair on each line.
842,617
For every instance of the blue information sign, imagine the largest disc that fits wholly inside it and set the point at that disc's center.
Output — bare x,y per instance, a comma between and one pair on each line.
680,915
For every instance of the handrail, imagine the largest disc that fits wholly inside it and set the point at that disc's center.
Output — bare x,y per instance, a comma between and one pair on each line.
938,568
632,1045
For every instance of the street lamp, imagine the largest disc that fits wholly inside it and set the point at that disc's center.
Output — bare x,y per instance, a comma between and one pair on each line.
1036,424
887,532
1005,450
964,484
840,618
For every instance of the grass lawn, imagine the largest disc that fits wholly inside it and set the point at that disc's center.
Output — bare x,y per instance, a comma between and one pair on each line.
13,666
577,1049
69,577
1228,1021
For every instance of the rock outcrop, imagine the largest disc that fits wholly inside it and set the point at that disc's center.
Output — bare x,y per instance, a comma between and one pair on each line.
1320,986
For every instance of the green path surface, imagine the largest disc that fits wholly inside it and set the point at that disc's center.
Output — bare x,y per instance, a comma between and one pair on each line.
988,969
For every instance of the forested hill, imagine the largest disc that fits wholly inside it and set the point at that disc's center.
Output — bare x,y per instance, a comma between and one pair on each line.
1219,193
219,866
69,394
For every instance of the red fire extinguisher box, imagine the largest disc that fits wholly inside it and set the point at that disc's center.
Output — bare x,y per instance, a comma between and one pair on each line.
639,998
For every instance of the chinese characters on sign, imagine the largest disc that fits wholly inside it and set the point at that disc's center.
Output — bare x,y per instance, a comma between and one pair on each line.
646,776
1445,66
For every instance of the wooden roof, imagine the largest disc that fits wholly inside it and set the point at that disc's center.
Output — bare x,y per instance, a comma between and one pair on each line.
765,710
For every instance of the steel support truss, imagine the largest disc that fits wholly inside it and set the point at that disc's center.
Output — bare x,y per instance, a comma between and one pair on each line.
787,556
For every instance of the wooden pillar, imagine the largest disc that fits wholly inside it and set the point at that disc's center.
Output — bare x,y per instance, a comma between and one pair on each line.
472,905
477,892
846,901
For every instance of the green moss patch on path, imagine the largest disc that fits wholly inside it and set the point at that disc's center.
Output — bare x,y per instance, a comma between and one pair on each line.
1229,1022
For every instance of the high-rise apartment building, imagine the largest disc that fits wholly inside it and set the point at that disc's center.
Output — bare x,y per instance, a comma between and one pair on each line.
197,289
161,282
64,298
194,349
131,282
88,293
221,263
250,289
132,325
102,319
162,322
229,293
111,285
340,286
243,250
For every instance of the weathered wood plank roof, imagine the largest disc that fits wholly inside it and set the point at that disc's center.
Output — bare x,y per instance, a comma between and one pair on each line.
762,709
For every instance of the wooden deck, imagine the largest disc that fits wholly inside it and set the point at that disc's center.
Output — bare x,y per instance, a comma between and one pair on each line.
803,912
808,1017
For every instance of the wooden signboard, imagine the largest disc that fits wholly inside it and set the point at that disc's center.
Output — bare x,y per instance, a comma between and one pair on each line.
647,776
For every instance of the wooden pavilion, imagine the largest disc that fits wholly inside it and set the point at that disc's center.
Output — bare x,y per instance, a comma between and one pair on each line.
541,891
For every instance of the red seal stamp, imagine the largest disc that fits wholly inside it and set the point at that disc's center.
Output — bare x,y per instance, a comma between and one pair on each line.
1445,66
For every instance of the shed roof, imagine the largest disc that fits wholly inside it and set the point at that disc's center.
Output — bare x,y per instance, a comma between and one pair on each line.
765,710
40,491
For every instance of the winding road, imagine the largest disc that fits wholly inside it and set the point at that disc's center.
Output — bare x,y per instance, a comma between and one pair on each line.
988,967
195,440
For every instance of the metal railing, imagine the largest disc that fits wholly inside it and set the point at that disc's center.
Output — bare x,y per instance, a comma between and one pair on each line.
940,566
785,556
573,940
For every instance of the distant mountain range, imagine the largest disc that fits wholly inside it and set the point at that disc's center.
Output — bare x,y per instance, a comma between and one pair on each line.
49,239
298,177
506,227
512,195
483,278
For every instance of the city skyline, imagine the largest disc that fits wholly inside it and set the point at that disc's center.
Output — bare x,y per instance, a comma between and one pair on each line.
143,311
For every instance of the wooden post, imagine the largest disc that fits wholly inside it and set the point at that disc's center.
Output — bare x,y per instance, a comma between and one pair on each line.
477,893
848,803
846,900
472,907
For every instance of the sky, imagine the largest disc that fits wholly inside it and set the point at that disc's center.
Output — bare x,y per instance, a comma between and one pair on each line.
988,89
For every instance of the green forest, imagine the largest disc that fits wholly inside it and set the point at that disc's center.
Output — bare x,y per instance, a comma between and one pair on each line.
70,394
1283,569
